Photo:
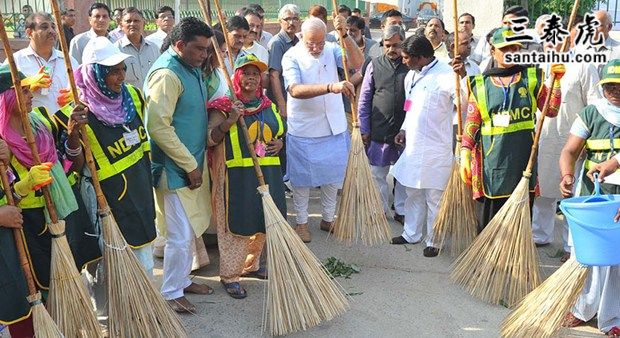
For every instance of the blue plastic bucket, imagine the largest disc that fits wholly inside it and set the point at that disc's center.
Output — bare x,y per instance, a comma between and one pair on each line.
596,236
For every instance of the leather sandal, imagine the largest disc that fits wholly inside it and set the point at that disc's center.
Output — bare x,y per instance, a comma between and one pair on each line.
181,305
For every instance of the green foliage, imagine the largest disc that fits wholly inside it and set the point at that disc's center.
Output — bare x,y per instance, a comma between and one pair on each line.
338,268
563,8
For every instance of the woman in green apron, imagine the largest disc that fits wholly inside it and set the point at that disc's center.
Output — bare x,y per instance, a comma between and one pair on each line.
237,207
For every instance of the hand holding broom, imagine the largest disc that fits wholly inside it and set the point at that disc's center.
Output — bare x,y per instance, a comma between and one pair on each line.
300,294
68,302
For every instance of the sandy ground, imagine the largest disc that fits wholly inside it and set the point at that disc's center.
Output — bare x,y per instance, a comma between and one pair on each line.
402,294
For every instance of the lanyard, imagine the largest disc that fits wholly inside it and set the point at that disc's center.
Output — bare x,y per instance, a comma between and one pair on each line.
261,127
506,89
422,74
611,139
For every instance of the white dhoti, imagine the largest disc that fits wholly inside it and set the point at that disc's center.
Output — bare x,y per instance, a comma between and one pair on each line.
601,298
421,208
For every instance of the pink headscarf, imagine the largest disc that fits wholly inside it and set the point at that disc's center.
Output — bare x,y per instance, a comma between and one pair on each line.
18,145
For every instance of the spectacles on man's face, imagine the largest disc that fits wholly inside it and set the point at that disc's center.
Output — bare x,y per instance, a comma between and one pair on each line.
311,44
293,19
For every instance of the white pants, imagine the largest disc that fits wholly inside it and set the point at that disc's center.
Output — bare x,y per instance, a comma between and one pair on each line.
543,222
380,176
301,197
178,251
421,207
601,297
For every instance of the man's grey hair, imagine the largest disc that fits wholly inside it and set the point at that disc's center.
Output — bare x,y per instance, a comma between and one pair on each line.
313,25
607,17
390,31
288,8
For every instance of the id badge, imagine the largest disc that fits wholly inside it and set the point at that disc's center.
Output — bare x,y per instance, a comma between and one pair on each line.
131,138
501,120
408,104
260,149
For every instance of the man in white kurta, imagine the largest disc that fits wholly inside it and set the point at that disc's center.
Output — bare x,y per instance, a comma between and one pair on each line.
317,140
579,88
425,166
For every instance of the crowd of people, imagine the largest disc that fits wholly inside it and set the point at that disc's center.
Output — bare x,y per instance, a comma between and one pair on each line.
163,127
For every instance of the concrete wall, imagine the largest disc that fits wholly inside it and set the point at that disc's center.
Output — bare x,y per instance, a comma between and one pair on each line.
488,14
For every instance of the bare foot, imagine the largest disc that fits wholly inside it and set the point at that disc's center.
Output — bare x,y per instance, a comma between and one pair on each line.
199,289
182,305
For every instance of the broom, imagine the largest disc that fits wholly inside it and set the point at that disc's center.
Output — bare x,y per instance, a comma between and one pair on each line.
300,293
542,312
501,266
456,221
361,215
44,326
136,308
68,303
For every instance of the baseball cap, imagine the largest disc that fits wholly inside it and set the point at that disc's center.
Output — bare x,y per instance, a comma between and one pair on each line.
611,72
101,50
498,40
250,59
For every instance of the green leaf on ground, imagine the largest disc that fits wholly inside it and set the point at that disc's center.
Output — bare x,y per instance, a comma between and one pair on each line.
338,268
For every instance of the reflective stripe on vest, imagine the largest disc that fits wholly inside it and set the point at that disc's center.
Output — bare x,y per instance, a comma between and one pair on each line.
602,144
107,169
238,160
487,127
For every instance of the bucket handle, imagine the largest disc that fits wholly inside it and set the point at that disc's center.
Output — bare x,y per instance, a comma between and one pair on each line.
574,219
597,185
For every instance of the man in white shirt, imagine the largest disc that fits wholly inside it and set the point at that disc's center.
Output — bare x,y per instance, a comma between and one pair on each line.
317,140
165,22
262,37
238,29
425,166
467,23
99,20
434,32
133,43
470,67
251,45
41,31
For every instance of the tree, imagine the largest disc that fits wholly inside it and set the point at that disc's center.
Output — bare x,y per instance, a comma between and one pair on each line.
562,7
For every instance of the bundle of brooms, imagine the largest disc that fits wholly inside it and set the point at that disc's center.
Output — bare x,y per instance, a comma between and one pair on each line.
360,214
456,221
43,324
68,302
136,308
502,265
300,293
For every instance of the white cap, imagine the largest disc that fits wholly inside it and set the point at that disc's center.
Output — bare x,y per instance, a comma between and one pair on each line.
100,50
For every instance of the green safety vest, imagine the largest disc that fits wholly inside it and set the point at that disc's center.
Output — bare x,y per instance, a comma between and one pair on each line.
237,154
598,147
506,149
35,199
112,156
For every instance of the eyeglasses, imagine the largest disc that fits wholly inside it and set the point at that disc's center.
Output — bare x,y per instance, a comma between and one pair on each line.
291,20
311,44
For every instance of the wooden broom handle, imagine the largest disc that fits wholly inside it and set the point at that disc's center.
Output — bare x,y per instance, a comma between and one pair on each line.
17,234
241,121
220,18
49,203
345,65
457,76
539,125
90,161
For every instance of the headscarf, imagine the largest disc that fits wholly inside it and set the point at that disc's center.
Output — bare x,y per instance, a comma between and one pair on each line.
109,107
18,145
609,112
252,106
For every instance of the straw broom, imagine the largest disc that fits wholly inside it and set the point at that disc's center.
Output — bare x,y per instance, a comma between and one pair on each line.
542,312
502,263
68,303
300,293
136,308
456,221
43,324
360,215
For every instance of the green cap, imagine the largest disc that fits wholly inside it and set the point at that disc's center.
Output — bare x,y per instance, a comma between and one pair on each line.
611,72
498,40
6,82
250,59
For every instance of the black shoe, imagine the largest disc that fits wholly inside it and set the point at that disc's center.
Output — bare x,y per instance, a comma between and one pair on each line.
399,218
429,251
399,240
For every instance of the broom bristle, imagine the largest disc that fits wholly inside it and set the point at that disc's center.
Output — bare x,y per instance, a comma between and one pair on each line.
501,266
69,303
44,326
456,221
136,308
542,312
300,293
361,215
